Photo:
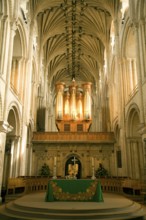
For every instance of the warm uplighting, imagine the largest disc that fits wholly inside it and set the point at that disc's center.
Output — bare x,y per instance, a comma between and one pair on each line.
73,104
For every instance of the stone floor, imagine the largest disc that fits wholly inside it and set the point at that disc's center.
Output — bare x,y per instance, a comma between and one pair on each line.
33,206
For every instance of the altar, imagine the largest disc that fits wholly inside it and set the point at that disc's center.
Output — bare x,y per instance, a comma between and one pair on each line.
74,190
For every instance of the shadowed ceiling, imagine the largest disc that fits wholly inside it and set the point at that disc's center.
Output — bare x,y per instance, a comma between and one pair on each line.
73,37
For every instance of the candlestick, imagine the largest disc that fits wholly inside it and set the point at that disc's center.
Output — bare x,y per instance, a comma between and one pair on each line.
93,169
54,169
93,173
54,173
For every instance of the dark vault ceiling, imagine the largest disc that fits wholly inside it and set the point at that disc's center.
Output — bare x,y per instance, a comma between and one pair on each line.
73,37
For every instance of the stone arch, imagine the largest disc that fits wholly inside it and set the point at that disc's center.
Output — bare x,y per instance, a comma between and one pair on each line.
133,121
14,118
134,150
23,38
127,38
18,60
129,61
12,147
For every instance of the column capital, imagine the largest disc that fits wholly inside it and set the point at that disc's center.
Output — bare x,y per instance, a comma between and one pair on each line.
5,127
116,25
3,17
134,25
142,129
14,138
13,26
133,139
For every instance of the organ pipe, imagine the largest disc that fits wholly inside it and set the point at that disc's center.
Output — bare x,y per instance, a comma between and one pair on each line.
73,102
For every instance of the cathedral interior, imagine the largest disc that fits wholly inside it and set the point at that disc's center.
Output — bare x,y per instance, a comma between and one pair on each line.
72,91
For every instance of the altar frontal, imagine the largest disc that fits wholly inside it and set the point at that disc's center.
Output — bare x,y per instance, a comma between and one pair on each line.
74,190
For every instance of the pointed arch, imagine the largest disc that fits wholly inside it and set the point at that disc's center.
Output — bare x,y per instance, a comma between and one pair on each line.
133,121
14,118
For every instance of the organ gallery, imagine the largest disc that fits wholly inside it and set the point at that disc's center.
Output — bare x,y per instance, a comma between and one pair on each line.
73,107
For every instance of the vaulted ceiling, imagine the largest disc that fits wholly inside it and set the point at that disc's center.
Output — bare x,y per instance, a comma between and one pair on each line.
73,36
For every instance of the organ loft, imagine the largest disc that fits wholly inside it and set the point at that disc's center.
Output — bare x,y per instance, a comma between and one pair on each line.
73,107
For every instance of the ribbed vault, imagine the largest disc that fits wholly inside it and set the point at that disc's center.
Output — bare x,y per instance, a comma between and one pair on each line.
74,36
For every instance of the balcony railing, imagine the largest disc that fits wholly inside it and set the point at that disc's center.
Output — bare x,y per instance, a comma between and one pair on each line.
65,137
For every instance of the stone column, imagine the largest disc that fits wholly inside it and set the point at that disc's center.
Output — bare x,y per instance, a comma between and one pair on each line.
118,70
136,167
59,101
140,157
142,46
28,88
27,101
4,128
144,170
129,160
49,109
19,76
23,78
16,156
4,45
130,74
28,159
12,161
120,94
33,172
138,55
12,80
6,166
9,66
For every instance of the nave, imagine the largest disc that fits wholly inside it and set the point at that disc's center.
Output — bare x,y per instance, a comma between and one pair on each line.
72,97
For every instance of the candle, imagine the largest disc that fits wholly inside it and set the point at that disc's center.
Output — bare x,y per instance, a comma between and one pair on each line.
54,161
92,161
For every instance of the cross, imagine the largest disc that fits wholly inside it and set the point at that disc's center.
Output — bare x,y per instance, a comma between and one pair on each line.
74,160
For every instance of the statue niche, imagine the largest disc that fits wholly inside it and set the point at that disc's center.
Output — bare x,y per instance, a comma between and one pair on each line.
73,168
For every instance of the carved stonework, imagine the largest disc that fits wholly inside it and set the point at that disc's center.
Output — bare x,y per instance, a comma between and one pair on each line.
5,127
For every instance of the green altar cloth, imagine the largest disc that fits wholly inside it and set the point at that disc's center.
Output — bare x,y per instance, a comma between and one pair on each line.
74,190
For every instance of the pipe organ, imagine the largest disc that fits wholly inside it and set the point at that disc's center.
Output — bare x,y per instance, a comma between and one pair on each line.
73,107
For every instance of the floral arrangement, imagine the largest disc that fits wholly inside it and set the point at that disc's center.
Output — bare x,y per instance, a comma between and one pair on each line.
45,170
101,171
